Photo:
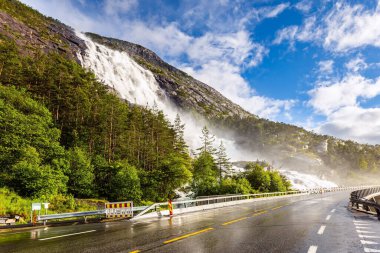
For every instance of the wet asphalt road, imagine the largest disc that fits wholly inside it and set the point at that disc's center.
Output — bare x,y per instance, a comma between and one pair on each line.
316,223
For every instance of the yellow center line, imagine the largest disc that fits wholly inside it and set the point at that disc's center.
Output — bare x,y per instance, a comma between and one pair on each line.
135,251
259,213
187,235
233,221
277,207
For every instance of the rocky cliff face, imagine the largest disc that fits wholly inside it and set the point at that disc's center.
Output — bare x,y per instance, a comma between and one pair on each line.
33,32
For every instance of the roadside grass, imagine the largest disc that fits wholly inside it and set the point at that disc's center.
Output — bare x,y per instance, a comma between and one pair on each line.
12,204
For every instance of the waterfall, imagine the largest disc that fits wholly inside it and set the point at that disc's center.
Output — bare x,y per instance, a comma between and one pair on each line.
118,71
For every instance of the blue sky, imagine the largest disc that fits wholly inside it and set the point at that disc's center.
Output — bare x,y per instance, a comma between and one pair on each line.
315,64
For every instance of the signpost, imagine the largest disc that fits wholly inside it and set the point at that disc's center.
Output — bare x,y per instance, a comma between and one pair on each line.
46,206
33,215
119,209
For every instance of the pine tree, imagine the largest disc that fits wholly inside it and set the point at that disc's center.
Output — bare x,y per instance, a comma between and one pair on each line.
222,161
179,144
207,142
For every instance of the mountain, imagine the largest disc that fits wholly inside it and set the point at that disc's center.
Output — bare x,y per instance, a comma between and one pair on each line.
140,76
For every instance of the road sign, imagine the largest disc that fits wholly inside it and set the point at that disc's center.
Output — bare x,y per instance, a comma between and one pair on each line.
36,206
46,205
33,214
119,209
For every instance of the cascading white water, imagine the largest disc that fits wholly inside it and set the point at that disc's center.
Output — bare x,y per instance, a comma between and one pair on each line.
117,70
303,181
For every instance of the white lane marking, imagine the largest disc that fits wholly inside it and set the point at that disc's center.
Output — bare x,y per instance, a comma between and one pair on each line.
361,223
365,232
321,230
368,242
312,249
371,250
59,236
333,211
369,236
361,227
328,217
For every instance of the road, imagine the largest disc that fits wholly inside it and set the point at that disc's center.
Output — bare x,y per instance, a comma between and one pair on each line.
318,223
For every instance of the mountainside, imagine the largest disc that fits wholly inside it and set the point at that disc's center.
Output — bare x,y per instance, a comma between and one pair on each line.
185,91
146,79
31,31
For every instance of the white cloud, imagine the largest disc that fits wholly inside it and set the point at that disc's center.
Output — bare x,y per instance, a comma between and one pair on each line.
341,103
355,123
66,12
227,79
288,33
350,27
113,7
275,11
326,67
342,28
304,6
165,40
329,97
261,13
307,32
235,47
223,76
356,64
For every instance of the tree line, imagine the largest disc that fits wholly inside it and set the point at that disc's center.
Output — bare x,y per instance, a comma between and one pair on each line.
64,133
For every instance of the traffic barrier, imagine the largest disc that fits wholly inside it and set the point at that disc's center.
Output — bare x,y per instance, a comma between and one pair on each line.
119,209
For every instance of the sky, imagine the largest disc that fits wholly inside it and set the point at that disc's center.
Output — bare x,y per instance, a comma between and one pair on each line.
315,64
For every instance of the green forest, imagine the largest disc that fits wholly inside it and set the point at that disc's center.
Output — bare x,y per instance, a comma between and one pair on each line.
65,136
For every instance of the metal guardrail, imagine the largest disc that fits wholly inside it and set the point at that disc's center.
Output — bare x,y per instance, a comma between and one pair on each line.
214,200
69,215
227,198
198,202
358,200
365,192
80,214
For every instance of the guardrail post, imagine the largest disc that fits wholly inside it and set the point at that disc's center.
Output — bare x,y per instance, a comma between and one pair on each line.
378,213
